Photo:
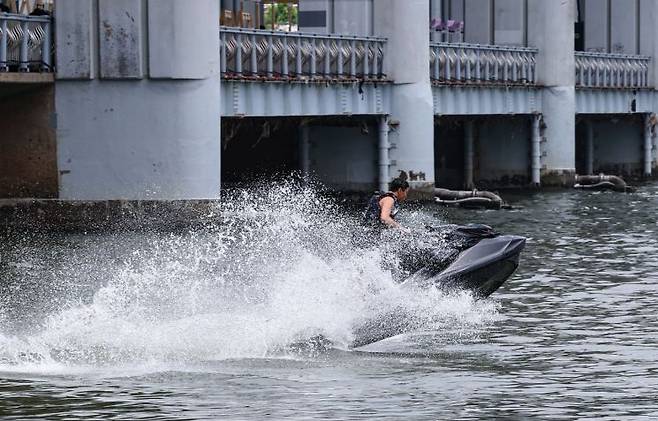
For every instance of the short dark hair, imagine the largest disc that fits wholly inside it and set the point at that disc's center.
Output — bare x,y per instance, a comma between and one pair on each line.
398,184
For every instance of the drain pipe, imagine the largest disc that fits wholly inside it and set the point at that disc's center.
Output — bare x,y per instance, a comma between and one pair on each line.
536,151
469,140
305,150
648,147
589,148
384,158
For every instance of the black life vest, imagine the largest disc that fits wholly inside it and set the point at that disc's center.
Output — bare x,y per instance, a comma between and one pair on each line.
374,210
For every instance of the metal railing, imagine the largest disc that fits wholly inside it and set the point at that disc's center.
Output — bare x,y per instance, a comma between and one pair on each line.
474,63
25,43
272,55
603,70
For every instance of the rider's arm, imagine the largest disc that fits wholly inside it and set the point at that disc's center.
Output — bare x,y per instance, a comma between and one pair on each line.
386,205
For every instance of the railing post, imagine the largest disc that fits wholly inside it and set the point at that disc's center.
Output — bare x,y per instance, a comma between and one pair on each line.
270,56
327,58
366,56
284,58
254,56
313,58
375,59
339,59
298,57
46,56
353,58
222,52
3,47
24,58
238,54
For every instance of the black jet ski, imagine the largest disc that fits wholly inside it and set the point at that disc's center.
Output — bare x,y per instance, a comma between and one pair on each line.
465,258
478,260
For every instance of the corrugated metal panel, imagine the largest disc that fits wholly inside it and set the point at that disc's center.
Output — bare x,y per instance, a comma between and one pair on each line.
614,101
475,100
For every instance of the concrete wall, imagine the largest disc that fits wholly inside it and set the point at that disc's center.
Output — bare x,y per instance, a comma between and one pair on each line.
618,145
502,153
28,157
138,99
345,157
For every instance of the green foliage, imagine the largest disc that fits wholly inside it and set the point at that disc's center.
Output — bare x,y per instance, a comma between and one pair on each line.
281,14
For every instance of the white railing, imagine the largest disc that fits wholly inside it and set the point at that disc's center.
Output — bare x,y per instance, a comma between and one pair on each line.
462,63
603,70
272,55
25,43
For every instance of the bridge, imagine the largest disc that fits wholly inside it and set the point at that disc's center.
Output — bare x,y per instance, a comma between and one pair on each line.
137,110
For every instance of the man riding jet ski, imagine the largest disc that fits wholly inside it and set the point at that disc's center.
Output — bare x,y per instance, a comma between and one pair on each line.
471,257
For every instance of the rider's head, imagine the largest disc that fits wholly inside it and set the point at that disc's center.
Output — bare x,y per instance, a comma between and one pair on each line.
400,187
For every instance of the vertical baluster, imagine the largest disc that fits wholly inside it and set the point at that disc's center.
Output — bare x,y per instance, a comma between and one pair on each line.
3,47
375,59
24,59
284,58
46,54
467,70
327,58
496,67
487,66
298,57
506,76
437,62
366,59
447,61
222,52
270,56
238,55
478,64
313,57
458,63
339,59
253,56
353,58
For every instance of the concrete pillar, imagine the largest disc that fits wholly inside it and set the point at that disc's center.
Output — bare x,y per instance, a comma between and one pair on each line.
648,146
589,147
137,99
553,35
649,36
404,23
305,150
384,150
535,151
469,152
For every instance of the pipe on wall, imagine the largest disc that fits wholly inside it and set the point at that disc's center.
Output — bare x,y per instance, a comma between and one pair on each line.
589,147
384,149
469,152
536,151
648,147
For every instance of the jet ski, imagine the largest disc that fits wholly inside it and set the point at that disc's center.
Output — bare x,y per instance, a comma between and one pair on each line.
477,259
470,258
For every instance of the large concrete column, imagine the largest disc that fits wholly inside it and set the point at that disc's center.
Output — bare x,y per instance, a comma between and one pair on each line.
405,25
469,153
589,147
553,35
137,99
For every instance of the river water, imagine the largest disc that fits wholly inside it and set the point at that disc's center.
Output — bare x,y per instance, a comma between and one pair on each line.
252,317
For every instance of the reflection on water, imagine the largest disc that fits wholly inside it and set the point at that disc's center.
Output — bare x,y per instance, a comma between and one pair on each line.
208,325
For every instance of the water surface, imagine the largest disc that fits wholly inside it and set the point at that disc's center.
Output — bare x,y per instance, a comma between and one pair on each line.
225,323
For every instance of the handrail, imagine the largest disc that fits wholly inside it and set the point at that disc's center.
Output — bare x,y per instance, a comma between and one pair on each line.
465,63
25,43
273,55
607,70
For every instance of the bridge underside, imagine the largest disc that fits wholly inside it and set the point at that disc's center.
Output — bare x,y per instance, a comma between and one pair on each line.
294,99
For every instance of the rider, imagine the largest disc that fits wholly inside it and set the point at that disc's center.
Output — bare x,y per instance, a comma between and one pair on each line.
383,207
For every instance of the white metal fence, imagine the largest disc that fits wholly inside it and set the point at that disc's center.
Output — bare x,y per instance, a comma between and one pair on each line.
25,43
603,70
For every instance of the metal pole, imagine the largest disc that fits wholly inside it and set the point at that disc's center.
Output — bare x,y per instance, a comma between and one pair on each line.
384,150
589,147
648,147
304,150
469,152
45,49
536,151
24,59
